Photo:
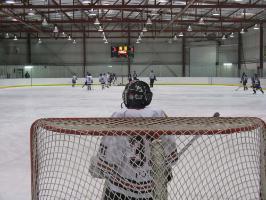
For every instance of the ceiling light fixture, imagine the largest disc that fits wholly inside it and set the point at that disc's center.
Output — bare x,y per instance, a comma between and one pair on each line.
137,41
175,38
55,29
181,34
139,38
216,13
39,41
242,31
44,22
189,28
201,21
223,38
256,27
96,22
92,12
69,38
144,29
100,29
231,35
149,22
74,42
106,42
7,35
15,38
31,12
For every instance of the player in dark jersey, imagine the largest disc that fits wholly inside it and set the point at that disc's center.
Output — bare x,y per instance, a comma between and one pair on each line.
244,80
256,84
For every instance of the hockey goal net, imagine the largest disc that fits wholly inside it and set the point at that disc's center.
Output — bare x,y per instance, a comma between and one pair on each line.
205,158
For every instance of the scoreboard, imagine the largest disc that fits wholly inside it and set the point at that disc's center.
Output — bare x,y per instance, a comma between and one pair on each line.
122,51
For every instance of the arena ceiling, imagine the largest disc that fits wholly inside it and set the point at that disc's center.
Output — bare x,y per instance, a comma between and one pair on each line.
210,19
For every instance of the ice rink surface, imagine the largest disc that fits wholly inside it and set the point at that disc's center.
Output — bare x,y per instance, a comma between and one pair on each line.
20,107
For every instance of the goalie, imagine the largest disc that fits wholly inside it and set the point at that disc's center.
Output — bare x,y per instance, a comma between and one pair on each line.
125,161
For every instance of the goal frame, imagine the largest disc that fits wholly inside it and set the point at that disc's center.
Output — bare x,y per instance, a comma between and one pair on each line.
154,133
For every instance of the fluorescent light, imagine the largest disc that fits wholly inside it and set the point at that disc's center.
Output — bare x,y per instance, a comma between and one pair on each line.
44,22
228,64
28,67
96,22
110,66
256,27
181,34
10,1
189,28
85,2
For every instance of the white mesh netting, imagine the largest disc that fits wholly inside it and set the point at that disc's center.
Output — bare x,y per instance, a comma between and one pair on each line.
148,158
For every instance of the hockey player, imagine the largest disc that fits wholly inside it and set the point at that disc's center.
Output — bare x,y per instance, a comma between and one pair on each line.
256,84
135,76
89,81
74,80
125,162
152,78
102,81
244,80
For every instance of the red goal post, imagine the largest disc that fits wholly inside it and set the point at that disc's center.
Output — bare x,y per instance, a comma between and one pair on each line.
218,158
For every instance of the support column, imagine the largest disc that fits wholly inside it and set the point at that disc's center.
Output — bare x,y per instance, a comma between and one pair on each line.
84,52
240,47
183,56
28,49
260,70
128,58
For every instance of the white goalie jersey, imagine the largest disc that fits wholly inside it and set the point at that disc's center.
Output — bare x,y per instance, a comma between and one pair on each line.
125,161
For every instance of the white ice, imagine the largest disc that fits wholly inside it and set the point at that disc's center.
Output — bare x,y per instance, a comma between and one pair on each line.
20,107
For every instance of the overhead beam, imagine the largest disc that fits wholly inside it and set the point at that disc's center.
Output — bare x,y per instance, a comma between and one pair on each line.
120,6
126,31
177,21
179,14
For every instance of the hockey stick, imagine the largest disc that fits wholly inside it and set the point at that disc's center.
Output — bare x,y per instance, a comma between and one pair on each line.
238,88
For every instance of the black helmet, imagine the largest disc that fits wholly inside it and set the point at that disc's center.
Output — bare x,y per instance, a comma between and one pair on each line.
137,94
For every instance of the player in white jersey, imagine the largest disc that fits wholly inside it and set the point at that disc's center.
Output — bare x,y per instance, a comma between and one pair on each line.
125,161
89,81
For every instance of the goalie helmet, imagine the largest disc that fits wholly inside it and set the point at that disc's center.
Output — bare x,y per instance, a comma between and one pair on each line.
137,94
